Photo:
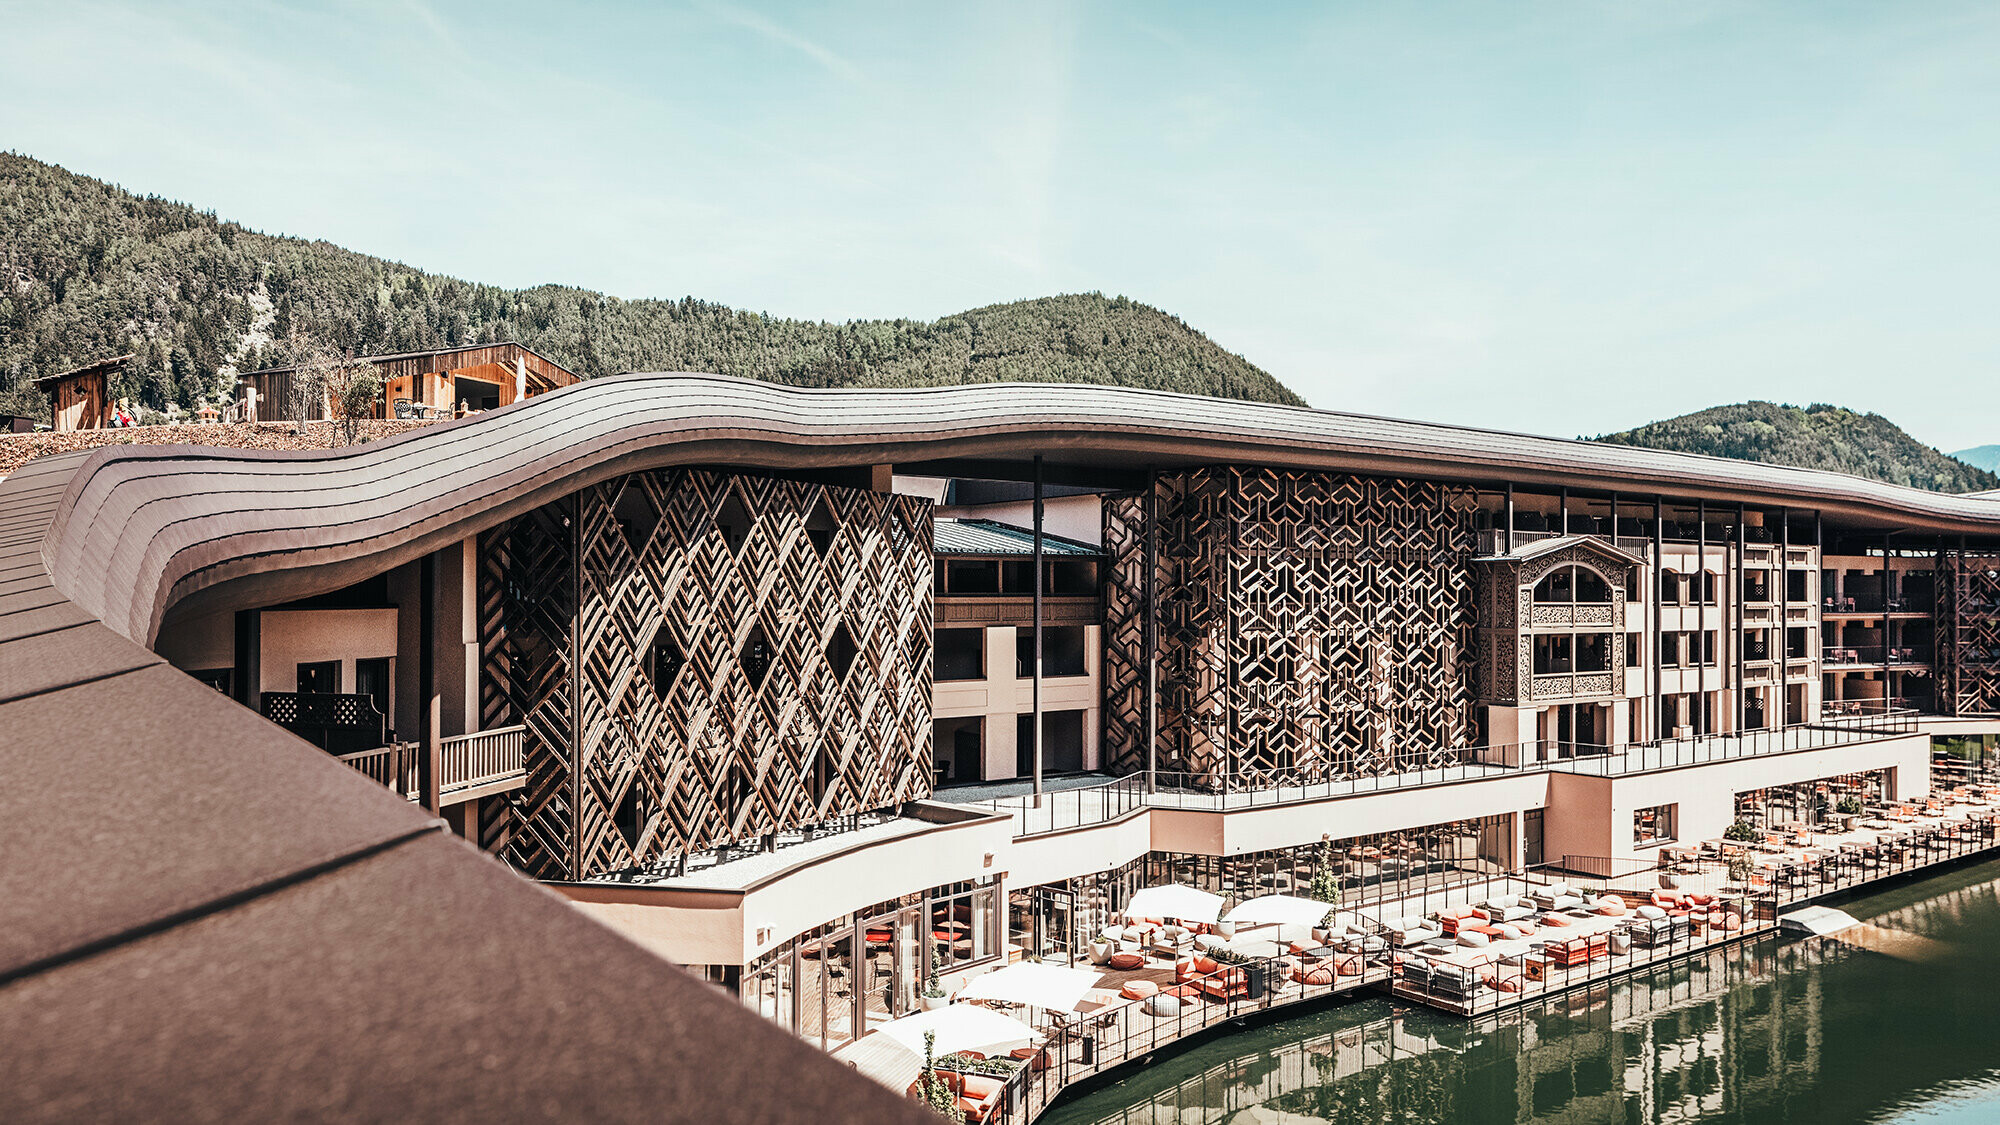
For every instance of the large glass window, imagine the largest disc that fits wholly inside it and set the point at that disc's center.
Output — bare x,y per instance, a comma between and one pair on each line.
1062,651
962,924
960,655
1655,825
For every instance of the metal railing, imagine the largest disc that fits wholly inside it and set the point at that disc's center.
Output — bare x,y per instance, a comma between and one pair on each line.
1874,655
393,765
1876,603
1095,1043
1176,789
1065,809
1919,842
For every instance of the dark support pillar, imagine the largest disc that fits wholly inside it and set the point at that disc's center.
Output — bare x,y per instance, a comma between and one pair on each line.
1736,599
1038,632
1659,658
247,659
1151,639
1702,713
1783,632
429,703
1888,572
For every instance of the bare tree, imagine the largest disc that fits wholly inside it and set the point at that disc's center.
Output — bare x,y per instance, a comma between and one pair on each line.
330,383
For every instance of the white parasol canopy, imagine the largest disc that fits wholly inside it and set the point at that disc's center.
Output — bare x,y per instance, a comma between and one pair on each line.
1055,987
1175,901
1285,910
960,1027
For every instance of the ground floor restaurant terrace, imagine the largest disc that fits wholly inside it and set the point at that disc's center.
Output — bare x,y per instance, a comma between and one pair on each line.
1013,1040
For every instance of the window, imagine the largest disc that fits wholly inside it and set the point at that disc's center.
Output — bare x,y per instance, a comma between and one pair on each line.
1554,655
1573,584
1708,646
961,655
1708,587
1632,650
1670,588
962,924
972,576
319,678
371,678
1062,651
1593,652
1654,825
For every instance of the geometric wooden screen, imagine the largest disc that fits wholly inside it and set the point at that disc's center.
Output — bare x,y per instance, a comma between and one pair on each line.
1966,654
1312,626
737,656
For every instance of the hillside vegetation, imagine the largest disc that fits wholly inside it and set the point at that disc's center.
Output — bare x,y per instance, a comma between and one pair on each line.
91,270
1813,437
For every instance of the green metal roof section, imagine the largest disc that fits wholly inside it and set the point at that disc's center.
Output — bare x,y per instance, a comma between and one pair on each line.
987,537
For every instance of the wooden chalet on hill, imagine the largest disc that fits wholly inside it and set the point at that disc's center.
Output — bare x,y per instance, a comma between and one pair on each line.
82,397
427,384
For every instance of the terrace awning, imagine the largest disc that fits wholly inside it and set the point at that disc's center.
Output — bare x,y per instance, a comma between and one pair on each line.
960,1027
1175,900
1285,910
1055,987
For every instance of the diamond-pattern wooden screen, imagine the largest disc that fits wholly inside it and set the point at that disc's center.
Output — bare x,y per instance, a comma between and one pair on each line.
1311,626
702,659
1967,651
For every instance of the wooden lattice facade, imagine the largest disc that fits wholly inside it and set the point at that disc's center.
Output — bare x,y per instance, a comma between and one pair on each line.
1310,626
1966,637
701,659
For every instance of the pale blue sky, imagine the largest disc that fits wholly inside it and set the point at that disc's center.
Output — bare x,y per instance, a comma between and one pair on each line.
1554,217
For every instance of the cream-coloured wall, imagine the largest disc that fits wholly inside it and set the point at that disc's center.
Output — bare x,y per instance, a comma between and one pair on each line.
1284,826
721,927
1002,696
1706,794
1577,822
291,637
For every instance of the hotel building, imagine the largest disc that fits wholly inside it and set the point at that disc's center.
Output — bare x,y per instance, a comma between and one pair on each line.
810,690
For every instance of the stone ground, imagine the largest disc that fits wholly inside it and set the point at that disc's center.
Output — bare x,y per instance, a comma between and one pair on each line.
18,449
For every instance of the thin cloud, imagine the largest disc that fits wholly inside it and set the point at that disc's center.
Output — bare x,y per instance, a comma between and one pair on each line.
751,21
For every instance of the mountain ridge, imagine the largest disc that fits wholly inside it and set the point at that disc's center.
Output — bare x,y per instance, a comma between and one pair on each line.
89,269
1819,436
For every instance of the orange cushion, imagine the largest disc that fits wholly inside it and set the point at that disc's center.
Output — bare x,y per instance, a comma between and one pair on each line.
1351,965
982,1086
1321,973
1138,989
1125,960
1205,965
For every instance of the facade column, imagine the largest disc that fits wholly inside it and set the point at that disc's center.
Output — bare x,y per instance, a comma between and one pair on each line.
430,704
1037,729
1150,641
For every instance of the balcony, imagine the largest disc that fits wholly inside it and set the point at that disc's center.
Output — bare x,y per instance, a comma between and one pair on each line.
1876,604
1875,655
470,765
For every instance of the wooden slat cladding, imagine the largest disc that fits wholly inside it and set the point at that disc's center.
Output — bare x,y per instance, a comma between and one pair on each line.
703,658
1313,626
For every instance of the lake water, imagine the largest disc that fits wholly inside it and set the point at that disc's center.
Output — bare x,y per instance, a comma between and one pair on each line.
1772,1030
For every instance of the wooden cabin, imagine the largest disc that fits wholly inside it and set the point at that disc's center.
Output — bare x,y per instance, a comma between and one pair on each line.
82,397
428,384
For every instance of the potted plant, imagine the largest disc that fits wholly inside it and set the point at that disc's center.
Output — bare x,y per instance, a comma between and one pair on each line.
1848,809
1325,887
1743,832
936,1094
1739,870
933,996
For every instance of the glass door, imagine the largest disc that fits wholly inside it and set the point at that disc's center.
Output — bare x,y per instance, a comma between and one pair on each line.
1055,913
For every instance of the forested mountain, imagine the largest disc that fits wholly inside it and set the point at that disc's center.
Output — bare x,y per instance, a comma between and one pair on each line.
1813,437
89,270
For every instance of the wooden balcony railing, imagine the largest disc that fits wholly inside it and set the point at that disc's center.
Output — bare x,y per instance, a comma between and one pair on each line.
486,757
468,762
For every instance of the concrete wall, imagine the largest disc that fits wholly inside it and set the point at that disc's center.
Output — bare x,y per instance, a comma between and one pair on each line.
1001,696
292,637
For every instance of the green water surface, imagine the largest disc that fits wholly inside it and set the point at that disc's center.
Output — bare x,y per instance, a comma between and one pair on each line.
1770,1031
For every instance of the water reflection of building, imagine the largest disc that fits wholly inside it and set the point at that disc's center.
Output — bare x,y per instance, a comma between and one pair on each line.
1697,1037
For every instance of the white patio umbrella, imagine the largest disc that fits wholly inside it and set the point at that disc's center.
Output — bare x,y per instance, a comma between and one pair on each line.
1055,987
960,1027
1285,910
1175,900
